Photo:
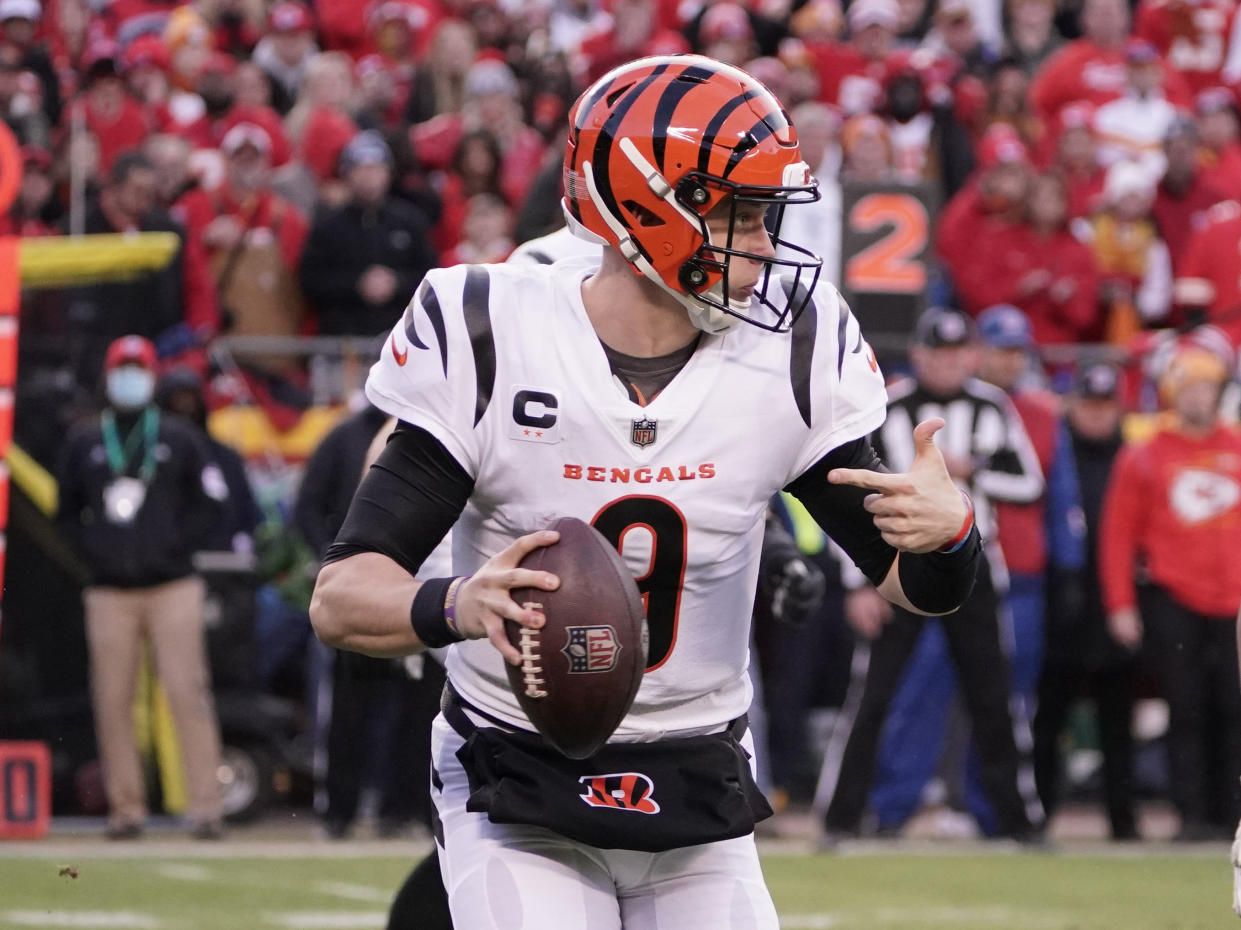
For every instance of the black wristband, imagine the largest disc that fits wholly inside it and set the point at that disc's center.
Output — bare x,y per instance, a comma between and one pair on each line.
426,614
939,582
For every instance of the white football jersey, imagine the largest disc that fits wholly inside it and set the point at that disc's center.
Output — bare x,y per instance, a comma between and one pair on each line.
551,248
501,364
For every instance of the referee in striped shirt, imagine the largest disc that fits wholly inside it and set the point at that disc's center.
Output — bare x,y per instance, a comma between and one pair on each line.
989,454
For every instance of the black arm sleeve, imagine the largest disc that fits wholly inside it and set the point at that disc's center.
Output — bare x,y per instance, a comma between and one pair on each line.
838,509
407,503
935,582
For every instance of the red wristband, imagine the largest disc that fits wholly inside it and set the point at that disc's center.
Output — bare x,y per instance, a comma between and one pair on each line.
963,533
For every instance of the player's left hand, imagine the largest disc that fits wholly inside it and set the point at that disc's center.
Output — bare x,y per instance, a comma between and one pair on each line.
920,510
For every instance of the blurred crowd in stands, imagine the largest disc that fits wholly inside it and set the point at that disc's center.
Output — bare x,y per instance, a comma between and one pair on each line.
1085,157
317,159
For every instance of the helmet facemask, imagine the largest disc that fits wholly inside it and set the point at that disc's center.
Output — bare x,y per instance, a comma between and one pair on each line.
706,276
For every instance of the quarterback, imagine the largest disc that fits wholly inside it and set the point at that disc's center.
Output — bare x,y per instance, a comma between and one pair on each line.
662,392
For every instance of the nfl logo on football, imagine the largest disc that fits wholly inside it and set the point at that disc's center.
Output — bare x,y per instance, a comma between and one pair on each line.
643,432
591,649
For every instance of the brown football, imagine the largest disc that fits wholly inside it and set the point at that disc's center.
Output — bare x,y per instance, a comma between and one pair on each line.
581,671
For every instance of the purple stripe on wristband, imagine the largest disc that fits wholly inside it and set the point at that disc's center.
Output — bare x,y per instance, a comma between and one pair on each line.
450,603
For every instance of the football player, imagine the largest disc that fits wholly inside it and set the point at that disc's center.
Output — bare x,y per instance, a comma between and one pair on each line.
662,392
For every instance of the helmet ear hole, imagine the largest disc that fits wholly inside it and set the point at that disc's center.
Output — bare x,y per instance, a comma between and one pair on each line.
694,193
692,276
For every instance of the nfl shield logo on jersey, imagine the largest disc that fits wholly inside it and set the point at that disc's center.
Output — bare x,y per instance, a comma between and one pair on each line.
643,432
591,649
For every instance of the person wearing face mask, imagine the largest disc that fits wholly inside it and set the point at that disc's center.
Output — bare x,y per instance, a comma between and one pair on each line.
180,392
136,501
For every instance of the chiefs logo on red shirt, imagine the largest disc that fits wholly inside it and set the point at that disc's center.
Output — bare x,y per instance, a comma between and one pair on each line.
623,791
1198,495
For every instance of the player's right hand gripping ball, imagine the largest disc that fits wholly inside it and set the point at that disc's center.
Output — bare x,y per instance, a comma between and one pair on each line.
580,672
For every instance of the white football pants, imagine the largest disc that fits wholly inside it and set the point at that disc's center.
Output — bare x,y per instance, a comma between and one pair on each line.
508,877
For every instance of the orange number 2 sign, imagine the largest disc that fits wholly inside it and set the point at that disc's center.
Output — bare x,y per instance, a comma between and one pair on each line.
891,265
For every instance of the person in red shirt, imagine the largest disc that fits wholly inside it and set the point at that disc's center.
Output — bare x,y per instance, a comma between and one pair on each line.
1184,196
725,34
217,87
236,26
492,103
1074,158
1092,68
1175,501
1208,283
803,81
109,112
1038,267
475,169
984,213
26,47
145,66
1220,154
851,74
398,34
310,179
126,20
344,24
1192,35
34,211
486,233
634,32
1057,291
246,208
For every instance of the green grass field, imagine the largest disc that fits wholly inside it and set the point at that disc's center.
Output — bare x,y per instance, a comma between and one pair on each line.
852,892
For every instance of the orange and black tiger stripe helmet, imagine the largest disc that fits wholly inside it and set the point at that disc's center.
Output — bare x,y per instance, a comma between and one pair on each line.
654,146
